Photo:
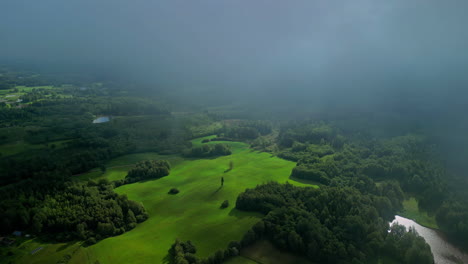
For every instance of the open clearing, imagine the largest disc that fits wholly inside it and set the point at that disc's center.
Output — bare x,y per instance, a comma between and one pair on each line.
193,214
411,211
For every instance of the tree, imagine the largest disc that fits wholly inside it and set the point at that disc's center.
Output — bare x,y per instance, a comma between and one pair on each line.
148,169
131,219
38,222
103,168
173,191
81,230
225,204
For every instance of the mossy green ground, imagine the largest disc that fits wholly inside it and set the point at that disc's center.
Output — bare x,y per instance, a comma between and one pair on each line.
193,214
412,211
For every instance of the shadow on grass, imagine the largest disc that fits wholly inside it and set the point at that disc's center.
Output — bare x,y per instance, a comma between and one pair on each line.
202,158
241,214
145,180
168,259
65,246
217,190
317,184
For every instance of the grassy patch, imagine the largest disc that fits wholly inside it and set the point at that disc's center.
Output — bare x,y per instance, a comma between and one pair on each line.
117,168
11,94
33,251
21,146
411,211
111,174
193,214
25,89
14,148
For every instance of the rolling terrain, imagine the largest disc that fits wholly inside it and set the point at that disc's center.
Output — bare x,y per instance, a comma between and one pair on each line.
193,214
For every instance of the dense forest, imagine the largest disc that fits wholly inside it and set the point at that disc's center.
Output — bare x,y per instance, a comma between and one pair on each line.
363,177
53,120
332,224
333,156
68,210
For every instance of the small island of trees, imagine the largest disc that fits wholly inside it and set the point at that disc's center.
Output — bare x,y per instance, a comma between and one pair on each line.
209,151
148,169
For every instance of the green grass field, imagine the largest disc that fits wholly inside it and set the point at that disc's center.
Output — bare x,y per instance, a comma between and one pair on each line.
193,214
117,168
11,95
411,211
17,147
22,90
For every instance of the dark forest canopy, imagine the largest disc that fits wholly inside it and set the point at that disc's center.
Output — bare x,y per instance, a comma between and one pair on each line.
211,150
87,211
332,225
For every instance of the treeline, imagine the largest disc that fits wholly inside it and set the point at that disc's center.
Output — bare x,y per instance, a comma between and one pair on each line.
68,210
9,79
70,158
312,133
184,253
452,218
244,129
407,159
411,160
148,169
37,94
331,224
208,150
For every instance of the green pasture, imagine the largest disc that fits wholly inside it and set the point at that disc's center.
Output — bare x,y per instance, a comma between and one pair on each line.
24,89
33,251
193,214
412,211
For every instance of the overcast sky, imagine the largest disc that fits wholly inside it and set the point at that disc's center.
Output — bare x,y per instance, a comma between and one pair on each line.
355,49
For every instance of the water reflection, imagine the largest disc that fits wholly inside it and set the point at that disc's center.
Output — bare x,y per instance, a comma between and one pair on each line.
444,252
101,119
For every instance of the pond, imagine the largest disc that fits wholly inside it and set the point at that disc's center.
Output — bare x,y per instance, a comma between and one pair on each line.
101,119
444,252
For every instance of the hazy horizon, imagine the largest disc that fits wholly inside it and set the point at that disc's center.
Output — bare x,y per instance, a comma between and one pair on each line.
401,56
317,48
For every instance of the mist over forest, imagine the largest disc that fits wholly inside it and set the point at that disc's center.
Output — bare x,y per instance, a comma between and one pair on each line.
406,57
387,68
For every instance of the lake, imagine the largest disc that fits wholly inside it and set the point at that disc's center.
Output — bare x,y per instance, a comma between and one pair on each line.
444,252
101,119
